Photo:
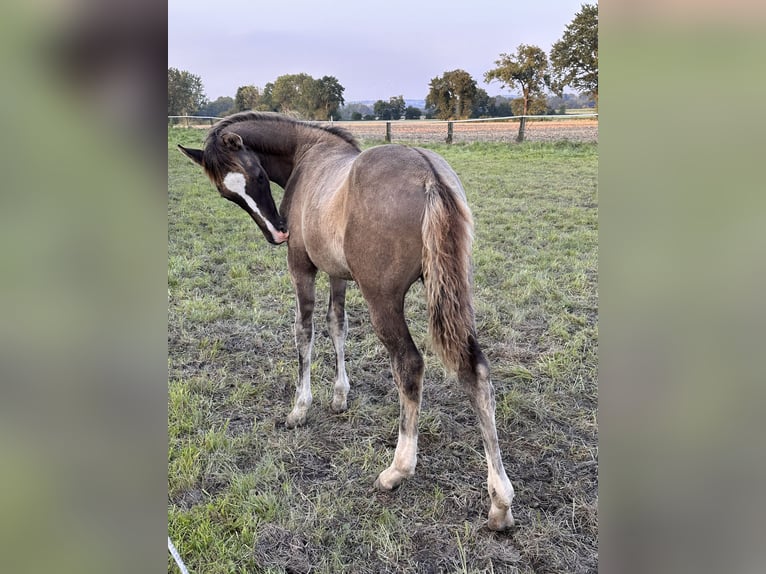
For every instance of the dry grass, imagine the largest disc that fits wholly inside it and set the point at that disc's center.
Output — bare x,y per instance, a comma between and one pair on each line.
248,495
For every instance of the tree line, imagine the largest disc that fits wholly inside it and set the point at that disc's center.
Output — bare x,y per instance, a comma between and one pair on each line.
572,62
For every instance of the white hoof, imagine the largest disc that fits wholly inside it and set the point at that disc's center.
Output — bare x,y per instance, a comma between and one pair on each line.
339,405
295,419
390,478
500,518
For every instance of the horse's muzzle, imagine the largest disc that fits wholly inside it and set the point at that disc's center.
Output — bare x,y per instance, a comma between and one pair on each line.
280,236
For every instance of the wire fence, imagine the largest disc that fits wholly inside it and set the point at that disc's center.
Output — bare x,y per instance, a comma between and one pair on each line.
566,127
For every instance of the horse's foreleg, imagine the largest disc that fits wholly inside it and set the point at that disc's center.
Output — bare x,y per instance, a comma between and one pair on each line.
481,394
338,326
304,340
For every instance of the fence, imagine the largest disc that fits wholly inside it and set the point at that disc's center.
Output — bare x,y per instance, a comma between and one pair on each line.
572,127
191,121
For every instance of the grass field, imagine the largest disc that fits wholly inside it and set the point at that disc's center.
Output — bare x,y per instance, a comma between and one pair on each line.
248,495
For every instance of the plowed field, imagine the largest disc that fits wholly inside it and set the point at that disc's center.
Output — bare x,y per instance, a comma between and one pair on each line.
580,130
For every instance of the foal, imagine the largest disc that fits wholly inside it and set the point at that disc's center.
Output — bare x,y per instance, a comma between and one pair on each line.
385,218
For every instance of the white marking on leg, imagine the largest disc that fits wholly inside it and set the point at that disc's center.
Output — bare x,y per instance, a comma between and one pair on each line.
403,466
341,387
338,332
303,397
304,341
499,486
406,454
235,183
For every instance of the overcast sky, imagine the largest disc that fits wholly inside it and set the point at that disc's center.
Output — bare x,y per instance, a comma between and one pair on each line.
376,49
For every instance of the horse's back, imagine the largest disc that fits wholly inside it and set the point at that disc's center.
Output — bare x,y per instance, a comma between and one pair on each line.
385,205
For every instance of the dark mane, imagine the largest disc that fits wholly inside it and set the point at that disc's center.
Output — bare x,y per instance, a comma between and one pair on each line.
274,117
217,161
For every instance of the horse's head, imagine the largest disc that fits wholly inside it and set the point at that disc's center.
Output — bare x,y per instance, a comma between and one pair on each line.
239,176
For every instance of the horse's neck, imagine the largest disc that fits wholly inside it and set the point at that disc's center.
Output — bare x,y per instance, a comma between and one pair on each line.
278,167
285,148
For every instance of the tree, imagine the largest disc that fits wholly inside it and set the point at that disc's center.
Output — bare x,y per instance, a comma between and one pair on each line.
185,93
348,110
382,110
267,104
296,94
329,98
412,113
220,107
481,104
393,109
302,95
500,106
526,70
247,98
452,95
536,105
574,58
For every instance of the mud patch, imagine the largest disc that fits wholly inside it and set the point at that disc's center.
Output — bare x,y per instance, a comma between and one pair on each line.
280,548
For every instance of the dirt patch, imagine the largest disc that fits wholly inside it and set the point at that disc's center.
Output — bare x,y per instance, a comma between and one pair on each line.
278,547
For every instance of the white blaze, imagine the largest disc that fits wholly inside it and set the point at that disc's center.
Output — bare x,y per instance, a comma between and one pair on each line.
235,182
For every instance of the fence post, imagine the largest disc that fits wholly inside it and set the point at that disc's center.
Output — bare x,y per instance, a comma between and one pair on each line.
388,132
522,126
449,132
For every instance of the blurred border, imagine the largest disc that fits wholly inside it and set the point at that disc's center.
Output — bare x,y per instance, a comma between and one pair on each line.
84,300
83,253
682,277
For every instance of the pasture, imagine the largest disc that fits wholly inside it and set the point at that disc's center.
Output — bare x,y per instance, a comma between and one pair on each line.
245,494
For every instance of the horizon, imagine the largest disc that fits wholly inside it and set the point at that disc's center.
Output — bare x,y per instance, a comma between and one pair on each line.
372,57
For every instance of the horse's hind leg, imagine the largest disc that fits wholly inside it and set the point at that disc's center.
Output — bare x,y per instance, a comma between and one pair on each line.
407,367
338,326
304,278
475,379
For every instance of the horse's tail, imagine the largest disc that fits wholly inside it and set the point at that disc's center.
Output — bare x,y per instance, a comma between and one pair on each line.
447,274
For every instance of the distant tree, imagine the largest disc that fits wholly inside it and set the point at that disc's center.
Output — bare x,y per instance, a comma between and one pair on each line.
296,94
526,70
536,105
186,94
570,101
574,58
329,95
356,116
304,96
382,110
412,113
393,109
500,107
266,103
354,107
247,98
452,95
481,104
398,107
217,108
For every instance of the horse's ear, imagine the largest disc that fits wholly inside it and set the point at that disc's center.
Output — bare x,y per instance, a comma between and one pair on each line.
232,141
194,154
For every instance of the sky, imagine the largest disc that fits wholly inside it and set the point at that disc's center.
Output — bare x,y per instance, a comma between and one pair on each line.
376,49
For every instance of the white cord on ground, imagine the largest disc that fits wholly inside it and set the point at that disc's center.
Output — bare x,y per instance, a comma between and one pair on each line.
177,557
